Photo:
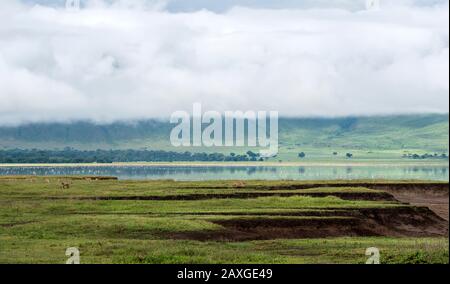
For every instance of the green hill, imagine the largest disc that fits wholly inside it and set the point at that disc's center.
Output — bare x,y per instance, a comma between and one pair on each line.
427,132
377,136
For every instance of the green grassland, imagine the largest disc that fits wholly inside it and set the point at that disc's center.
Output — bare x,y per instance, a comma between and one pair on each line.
114,221
307,251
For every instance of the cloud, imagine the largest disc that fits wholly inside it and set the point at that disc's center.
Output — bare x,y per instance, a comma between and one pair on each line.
135,59
225,5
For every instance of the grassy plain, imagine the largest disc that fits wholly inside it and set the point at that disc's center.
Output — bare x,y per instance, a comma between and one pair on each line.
114,221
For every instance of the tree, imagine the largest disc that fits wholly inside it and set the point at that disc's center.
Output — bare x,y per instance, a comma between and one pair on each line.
302,155
252,154
349,155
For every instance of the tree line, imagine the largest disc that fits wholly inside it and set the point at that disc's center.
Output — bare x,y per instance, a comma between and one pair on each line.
425,156
69,155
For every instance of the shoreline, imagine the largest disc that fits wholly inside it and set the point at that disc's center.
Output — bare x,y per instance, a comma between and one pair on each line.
362,163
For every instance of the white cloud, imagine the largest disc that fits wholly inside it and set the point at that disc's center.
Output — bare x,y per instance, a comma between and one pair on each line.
138,61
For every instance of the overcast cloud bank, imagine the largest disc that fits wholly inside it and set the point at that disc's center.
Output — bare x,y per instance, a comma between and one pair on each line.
122,61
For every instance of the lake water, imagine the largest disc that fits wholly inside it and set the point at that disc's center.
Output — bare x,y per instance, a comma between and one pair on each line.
436,173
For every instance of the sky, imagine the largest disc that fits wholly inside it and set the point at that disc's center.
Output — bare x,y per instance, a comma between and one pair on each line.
136,59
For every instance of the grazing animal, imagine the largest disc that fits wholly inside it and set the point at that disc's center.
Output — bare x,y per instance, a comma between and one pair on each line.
65,185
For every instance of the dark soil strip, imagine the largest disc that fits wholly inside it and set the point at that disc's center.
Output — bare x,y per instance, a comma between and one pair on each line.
439,188
434,195
327,213
370,196
371,185
8,225
393,222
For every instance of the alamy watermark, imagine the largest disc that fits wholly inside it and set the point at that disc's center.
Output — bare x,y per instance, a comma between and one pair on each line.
373,4
73,5
374,255
73,255
227,129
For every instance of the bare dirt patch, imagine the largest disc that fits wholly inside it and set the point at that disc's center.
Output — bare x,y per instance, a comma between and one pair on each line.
433,196
395,222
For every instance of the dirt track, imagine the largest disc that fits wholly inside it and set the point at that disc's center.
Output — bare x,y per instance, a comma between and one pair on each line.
438,202
432,195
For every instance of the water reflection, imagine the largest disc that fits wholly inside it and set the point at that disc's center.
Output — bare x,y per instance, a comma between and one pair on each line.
234,172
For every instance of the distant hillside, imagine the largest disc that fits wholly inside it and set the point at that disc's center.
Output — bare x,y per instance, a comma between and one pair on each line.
426,133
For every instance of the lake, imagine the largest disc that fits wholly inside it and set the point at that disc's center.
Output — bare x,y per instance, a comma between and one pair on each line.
435,173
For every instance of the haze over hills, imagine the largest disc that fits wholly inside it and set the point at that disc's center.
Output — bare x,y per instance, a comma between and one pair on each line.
422,133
